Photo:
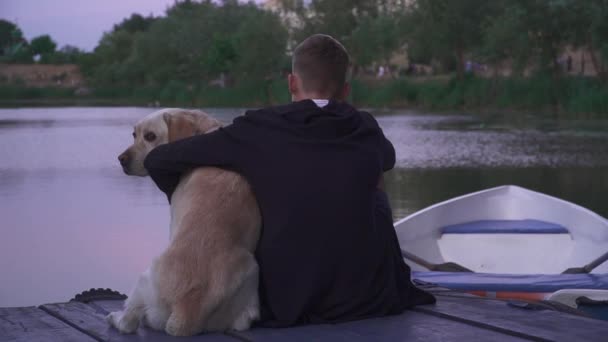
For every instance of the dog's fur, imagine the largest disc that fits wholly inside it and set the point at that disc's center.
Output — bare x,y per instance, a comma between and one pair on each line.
207,278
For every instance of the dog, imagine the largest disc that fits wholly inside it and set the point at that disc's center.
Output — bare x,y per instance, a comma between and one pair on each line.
207,278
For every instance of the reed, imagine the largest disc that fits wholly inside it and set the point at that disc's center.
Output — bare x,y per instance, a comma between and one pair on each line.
574,97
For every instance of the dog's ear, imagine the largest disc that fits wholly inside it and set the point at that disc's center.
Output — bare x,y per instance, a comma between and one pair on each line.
207,124
180,126
183,125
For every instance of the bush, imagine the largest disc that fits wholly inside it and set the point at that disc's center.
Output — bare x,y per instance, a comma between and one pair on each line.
146,93
175,92
115,92
571,96
16,92
253,93
540,93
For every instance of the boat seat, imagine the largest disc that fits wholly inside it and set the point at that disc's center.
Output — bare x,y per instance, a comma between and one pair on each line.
505,227
545,283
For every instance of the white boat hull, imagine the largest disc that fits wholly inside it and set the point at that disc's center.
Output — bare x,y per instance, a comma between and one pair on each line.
586,237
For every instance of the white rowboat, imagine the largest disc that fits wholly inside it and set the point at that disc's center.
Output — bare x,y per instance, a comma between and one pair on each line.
507,229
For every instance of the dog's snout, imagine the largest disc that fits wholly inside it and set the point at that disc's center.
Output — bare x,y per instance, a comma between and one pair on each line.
123,159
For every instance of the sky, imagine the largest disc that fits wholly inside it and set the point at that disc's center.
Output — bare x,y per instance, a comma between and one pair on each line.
80,23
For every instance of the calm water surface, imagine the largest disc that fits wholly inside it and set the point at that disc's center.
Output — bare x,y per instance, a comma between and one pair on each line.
71,220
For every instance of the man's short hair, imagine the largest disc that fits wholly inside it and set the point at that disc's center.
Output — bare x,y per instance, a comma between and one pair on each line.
322,64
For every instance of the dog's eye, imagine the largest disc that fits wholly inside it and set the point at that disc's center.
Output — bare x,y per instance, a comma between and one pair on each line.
150,136
134,136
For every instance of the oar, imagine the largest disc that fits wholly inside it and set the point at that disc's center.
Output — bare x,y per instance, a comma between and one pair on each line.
444,267
589,267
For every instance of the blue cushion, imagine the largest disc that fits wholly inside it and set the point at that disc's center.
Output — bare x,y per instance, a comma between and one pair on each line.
505,227
513,282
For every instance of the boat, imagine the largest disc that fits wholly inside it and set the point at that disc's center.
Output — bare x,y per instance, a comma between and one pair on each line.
508,242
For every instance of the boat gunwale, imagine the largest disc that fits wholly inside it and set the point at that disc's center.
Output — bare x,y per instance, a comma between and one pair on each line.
496,189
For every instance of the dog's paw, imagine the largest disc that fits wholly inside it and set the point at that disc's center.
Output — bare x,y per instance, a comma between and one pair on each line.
124,324
246,318
177,327
174,328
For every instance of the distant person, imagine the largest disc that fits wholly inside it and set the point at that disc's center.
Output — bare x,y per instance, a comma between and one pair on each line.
380,71
468,66
569,63
328,251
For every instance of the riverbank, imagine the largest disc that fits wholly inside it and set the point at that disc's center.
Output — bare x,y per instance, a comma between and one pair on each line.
573,97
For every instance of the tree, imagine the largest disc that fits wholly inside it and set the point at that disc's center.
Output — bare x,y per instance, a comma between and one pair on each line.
539,30
7,29
369,29
67,54
135,23
111,61
548,26
375,40
448,28
261,43
43,46
505,37
13,46
589,29
194,43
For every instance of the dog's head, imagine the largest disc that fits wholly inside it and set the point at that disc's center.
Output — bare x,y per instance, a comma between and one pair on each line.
162,127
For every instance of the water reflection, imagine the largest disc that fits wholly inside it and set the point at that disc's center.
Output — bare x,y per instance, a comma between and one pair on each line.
71,220
442,142
413,189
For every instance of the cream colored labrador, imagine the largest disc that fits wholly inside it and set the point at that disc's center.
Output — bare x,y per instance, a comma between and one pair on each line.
207,278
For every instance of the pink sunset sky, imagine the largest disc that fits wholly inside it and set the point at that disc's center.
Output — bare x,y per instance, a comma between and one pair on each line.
76,22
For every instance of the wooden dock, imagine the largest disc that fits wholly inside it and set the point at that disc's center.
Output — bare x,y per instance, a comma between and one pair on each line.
455,317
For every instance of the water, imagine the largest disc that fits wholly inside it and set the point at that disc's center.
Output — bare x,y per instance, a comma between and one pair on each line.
71,220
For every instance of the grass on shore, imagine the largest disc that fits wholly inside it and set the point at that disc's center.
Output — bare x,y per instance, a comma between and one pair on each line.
577,97
572,96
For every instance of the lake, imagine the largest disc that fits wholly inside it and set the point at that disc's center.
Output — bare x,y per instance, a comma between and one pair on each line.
71,220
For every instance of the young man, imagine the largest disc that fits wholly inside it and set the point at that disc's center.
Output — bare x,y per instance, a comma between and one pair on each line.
328,250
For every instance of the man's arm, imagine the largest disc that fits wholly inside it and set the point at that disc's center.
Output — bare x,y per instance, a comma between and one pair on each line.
380,185
388,154
168,162
386,149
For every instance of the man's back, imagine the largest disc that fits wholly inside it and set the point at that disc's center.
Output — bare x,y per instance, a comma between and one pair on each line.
328,251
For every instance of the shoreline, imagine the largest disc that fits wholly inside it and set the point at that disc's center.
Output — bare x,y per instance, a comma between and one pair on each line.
572,98
109,103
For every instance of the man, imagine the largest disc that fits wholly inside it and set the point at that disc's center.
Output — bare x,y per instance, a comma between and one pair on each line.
328,250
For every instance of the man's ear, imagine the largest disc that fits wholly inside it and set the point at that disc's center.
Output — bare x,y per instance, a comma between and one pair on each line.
345,91
180,126
292,83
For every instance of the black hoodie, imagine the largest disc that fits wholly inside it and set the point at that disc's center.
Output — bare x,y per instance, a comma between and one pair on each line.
328,250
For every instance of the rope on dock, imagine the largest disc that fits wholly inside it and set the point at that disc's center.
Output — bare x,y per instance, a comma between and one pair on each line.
98,294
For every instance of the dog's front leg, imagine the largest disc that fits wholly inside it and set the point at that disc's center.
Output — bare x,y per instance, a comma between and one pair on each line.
127,321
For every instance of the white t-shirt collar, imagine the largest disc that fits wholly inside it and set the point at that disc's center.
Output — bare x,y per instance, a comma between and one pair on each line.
320,102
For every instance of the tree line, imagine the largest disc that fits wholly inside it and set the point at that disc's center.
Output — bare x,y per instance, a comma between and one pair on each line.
15,48
227,42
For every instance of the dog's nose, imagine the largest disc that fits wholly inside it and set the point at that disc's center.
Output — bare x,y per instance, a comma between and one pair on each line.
123,159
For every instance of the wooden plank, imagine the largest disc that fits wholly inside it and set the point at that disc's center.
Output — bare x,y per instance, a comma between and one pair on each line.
389,328
91,320
31,324
455,317
532,324
409,326
108,306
